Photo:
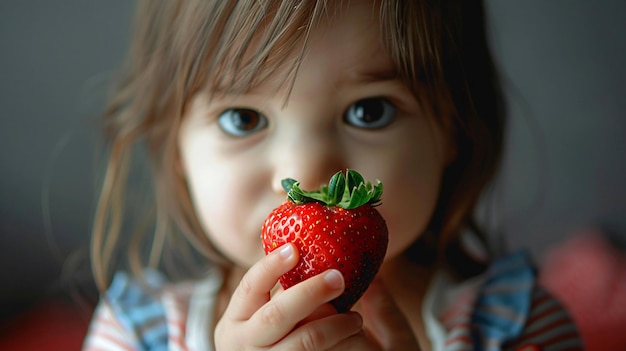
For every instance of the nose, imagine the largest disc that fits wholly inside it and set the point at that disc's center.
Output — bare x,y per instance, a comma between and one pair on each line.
309,157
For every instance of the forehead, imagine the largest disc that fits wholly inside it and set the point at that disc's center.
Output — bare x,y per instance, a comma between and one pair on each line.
346,39
351,40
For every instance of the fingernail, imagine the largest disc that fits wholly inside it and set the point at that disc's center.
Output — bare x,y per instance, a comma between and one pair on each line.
286,251
334,279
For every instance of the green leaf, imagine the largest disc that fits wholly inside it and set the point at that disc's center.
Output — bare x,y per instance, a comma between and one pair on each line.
336,188
354,179
287,184
378,192
359,197
318,196
295,195
349,191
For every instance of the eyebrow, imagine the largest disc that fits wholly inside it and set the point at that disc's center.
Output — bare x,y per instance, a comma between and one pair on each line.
376,74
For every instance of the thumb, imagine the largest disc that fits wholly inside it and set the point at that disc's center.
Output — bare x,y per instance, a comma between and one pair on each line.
385,321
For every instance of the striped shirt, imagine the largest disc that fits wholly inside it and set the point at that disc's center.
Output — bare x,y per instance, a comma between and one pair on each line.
504,309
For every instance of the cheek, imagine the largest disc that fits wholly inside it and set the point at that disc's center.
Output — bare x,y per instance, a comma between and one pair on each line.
412,181
407,211
226,218
222,199
215,207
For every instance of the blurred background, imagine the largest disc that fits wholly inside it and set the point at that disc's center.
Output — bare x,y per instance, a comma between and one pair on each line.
563,62
56,60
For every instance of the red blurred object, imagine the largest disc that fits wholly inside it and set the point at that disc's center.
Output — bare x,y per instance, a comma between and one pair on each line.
588,274
50,325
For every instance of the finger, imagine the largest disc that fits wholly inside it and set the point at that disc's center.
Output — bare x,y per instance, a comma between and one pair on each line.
385,321
324,333
277,290
254,288
322,311
280,315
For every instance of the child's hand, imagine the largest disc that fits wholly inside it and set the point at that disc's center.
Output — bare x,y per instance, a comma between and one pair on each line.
295,319
386,324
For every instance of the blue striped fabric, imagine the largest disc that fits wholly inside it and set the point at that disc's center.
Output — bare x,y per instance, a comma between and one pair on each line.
503,302
509,312
138,311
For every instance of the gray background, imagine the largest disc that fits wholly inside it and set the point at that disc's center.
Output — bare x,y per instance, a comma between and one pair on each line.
563,61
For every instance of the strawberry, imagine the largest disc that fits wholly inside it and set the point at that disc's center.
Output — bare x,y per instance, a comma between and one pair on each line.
334,227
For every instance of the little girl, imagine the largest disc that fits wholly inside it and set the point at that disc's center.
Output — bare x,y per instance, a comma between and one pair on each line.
228,98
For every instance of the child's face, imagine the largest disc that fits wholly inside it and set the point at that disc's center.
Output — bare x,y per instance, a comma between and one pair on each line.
235,150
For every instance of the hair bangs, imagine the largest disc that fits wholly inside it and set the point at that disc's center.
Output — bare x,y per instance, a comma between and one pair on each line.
233,47
236,46
412,33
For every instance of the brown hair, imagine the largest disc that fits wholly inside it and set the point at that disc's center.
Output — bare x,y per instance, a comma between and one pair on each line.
179,47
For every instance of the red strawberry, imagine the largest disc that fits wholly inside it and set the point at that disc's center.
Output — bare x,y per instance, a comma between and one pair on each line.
334,227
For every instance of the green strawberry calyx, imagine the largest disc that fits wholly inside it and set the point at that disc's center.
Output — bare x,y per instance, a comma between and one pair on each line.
348,192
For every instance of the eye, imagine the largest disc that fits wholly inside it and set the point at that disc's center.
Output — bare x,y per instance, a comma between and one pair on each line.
370,113
241,121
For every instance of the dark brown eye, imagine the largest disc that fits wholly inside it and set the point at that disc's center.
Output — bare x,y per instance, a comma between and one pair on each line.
241,121
370,113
